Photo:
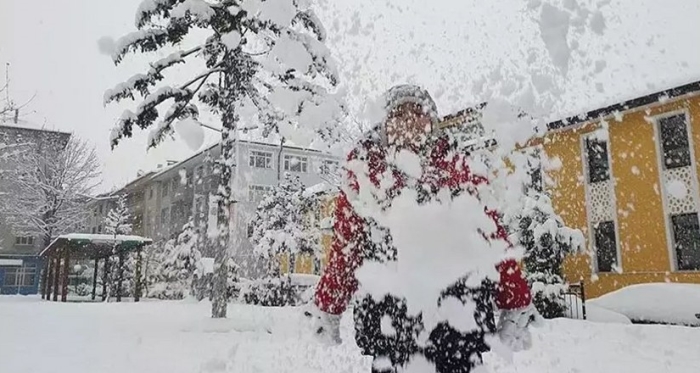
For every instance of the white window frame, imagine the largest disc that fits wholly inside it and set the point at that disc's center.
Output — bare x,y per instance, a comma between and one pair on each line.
254,155
303,162
322,169
589,207
24,240
668,224
258,189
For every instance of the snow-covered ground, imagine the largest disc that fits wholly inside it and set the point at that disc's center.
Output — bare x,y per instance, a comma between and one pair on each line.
173,337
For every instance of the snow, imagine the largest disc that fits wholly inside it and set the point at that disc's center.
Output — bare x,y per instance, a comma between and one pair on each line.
593,313
102,238
231,39
179,337
207,265
677,189
11,262
657,302
304,279
197,8
191,132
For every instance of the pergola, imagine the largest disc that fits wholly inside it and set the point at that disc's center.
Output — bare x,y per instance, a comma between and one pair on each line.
76,246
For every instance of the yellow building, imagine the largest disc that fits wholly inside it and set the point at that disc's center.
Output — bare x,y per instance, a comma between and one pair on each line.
629,182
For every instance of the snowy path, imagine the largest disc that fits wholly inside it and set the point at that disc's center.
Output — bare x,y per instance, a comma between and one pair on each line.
174,337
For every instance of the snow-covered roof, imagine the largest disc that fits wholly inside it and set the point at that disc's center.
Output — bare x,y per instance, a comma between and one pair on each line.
11,262
96,242
27,125
316,189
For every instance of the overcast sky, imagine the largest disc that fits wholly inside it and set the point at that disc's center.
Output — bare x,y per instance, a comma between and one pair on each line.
51,46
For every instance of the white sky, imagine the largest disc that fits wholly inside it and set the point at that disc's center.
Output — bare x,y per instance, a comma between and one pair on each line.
441,44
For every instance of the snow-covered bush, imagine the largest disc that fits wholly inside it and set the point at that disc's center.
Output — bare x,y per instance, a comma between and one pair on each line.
280,225
546,240
181,261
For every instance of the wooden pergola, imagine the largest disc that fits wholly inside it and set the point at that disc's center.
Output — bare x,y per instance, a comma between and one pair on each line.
76,246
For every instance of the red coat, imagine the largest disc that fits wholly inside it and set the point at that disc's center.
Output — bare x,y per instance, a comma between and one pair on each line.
338,282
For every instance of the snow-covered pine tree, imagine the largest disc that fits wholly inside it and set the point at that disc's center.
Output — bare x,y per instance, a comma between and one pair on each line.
546,240
268,56
278,225
117,222
182,259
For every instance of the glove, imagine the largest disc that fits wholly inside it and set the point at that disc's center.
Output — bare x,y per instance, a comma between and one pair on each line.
513,327
326,327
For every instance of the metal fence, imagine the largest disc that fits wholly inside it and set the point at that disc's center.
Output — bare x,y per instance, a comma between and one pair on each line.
575,298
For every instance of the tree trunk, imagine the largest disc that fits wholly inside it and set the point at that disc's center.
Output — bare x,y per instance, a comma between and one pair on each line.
225,165
105,279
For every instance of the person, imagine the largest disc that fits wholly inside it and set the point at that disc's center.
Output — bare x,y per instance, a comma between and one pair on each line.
410,121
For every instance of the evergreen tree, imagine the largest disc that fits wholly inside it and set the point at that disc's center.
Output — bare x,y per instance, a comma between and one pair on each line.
181,260
279,225
117,222
267,57
546,241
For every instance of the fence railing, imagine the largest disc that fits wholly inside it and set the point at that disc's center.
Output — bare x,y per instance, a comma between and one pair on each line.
575,298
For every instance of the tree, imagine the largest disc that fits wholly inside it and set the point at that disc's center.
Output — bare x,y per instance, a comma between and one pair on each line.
181,261
279,223
117,222
265,57
546,241
50,189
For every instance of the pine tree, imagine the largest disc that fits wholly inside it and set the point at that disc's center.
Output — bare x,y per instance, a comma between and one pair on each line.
117,222
278,225
268,56
181,260
546,241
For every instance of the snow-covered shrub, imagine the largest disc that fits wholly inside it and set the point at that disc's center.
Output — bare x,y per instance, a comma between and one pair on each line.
181,260
546,240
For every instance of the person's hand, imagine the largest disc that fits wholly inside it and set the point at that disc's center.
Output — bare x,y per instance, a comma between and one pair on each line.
513,327
325,326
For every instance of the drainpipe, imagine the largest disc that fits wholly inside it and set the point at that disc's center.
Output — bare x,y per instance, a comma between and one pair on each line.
279,162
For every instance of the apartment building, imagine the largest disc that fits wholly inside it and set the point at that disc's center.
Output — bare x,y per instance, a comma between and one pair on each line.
163,200
19,248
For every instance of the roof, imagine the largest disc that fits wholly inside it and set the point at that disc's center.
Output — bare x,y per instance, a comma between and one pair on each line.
95,245
671,93
27,125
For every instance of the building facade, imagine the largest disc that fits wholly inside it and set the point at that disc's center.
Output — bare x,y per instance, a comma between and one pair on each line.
162,201
629,182
20,265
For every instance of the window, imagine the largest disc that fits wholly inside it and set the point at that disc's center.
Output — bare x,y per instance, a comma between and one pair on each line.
605,245
93,230
251,229
597,158
674,141
317,266
20,276
164,188
534,171
164,216
686,238
176,183
260,159
257,192
150,193
99,228
328,167
24,240
295,163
